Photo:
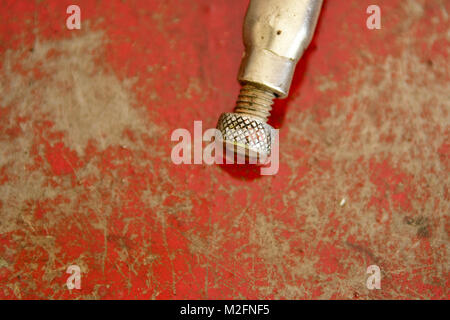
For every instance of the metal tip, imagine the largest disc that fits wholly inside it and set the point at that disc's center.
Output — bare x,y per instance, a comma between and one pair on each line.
247,136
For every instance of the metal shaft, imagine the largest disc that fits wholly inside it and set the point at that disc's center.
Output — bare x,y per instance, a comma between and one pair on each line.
276,33
254,102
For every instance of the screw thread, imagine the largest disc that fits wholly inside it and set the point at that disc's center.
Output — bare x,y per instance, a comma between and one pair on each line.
254,102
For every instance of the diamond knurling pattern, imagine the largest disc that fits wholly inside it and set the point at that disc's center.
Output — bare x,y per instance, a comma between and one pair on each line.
246,132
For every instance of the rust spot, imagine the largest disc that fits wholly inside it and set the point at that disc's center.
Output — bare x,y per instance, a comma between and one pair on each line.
422,224
423,232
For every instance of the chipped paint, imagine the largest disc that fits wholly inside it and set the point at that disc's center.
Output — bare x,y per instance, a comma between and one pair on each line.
86,176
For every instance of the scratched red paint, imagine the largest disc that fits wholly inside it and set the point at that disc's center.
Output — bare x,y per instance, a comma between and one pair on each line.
141,227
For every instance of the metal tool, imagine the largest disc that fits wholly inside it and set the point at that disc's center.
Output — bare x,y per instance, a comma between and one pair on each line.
276,33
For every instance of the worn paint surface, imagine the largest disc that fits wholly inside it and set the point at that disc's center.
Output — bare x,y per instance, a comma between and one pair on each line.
86,176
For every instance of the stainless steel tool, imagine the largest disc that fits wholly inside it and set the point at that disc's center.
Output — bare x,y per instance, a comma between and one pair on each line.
276,33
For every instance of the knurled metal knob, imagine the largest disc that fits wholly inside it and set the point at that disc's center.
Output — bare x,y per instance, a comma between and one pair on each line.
246,135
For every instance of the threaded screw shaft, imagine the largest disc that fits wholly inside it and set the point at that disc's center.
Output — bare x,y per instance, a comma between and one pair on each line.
254,102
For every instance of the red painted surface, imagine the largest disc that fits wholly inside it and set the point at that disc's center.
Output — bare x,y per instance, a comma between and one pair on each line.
367,120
